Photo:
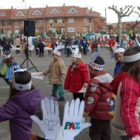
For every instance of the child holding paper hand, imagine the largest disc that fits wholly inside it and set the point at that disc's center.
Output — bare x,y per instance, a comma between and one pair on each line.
99,103
56,70
23,102
77,76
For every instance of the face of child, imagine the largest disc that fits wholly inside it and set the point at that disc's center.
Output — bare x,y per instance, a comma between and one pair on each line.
73,60
118,57
55,57
90,69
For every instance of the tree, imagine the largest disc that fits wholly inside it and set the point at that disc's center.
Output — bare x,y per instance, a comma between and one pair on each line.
110,28
138,12
122,12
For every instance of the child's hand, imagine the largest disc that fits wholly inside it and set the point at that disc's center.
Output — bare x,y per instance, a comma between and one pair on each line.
85,85
86,114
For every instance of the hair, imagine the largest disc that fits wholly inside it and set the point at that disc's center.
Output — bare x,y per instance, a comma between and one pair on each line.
78,60
99,60
132,68
20,78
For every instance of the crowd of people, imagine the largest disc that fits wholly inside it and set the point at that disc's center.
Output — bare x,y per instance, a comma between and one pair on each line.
110,101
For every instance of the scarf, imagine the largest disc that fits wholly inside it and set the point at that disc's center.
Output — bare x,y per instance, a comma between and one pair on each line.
115,83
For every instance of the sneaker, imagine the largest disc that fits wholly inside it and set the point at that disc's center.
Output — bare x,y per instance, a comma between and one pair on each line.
61,99
54,96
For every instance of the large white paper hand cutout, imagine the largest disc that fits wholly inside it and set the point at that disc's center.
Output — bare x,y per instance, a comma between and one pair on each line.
72,121
138,138
50,125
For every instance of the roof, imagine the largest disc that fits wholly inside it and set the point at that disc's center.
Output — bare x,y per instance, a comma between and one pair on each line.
5,14
48,12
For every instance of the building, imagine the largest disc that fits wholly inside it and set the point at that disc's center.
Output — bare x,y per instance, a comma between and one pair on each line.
126,26
69,20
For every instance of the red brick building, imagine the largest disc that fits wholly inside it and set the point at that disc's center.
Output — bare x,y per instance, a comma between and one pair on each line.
70,20
125,27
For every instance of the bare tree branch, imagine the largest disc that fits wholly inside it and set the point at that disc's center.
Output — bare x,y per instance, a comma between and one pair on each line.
114,8
128,12
138,12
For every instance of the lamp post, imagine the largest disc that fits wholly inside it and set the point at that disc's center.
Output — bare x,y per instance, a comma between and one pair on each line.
24,7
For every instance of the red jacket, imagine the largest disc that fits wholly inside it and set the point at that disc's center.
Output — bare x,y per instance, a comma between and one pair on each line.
76,78
99,101
129,93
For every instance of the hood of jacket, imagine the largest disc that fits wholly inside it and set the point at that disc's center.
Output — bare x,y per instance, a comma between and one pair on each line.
101,78
28,100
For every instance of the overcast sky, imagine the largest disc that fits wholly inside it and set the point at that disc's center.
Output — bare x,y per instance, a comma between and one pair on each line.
97,5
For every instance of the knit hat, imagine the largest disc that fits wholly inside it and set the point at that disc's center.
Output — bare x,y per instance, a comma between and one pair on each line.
96,62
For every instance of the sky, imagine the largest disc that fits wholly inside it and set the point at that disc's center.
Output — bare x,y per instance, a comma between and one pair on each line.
97,5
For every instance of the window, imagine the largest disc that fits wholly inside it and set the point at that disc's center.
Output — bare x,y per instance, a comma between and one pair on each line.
71,20
71,30
40,21
6,22
2,14
37,12
54,11
20,14
85,19
16,23
53,30
17,31
59,21
72,10
51,21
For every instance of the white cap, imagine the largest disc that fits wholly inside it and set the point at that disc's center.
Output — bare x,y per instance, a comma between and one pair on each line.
119,50
76,53
56,52
22,87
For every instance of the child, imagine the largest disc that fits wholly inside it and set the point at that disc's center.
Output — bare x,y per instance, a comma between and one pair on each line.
56,70
99,101
24,100
77,76
118,53
7,66
126,86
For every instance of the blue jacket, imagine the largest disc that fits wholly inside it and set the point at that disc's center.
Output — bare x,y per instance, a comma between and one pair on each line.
12,65
117,68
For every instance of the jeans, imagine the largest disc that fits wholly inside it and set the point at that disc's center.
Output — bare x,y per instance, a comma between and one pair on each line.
59,89
6,80
100,129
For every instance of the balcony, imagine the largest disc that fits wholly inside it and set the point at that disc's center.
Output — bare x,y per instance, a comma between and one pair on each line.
56,25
